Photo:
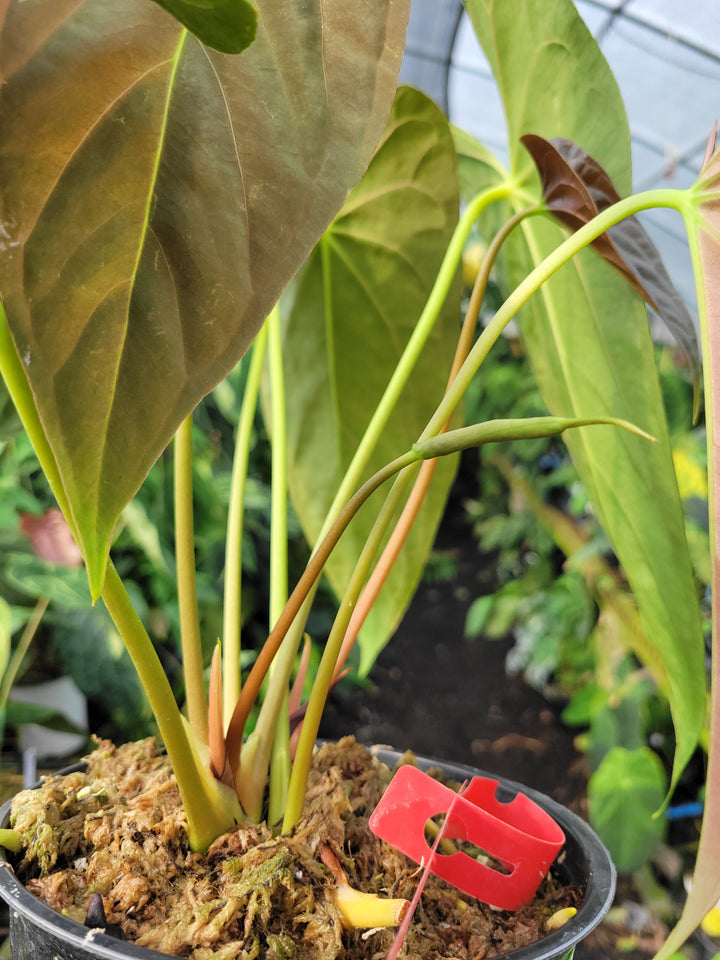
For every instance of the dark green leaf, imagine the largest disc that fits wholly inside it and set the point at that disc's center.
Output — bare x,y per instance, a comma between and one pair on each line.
225,25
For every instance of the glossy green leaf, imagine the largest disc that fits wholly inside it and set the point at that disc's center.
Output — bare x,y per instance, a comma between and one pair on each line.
225,25
625,792
174,191
587,333
356,305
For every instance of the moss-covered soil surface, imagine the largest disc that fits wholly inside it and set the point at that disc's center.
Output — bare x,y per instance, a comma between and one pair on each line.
116,832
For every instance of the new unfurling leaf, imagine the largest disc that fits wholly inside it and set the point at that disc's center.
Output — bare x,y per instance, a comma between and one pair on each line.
575,189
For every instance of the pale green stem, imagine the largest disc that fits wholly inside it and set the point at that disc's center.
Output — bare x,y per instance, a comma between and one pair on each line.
417,341
423,480
273,732
280,766
22,648
191,642
279,497
415,345
297,598
413,349
266,740
232,602
532,283
208,808
326,670
445,444
147,664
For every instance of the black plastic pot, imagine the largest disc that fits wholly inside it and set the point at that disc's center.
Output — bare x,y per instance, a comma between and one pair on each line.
39,933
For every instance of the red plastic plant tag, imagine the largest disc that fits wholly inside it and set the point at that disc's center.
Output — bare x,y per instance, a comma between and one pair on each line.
519,835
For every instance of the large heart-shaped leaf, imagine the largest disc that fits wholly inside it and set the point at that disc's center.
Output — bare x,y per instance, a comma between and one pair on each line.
356,305
587,333
156,197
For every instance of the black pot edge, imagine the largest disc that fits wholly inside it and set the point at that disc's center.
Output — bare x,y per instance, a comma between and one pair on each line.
601,880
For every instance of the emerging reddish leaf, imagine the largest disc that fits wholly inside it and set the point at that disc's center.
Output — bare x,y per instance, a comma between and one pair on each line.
297,687
297,709
215,713
569,200
51,538
575,189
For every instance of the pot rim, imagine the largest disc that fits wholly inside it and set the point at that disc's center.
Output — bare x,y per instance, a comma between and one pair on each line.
601,872
601,879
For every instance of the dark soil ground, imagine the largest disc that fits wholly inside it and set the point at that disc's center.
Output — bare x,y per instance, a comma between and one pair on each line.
443,696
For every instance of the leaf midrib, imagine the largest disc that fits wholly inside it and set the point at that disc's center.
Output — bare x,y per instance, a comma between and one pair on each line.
143,233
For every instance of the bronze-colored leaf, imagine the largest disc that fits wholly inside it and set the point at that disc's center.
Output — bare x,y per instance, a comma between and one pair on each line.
570,201
155,199
575,189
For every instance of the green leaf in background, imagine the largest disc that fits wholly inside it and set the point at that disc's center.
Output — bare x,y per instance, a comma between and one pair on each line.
36,578
19,713
355,307
587,333
624,792
173,193
5,633
225,25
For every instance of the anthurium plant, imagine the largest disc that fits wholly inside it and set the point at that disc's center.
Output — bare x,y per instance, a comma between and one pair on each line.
167,203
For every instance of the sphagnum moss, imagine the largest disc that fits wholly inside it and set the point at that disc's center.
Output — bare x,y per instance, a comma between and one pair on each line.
254,893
